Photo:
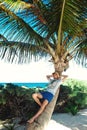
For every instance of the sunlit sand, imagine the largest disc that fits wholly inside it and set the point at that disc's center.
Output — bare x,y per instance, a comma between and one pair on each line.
64,121
68,122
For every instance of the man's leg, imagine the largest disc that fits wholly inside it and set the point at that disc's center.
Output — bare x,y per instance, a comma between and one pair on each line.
44,104
37,97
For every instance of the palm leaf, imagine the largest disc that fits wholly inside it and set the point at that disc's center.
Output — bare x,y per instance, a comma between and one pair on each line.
17,5
2,38
20,52
15,28
52,17
30,23
81,54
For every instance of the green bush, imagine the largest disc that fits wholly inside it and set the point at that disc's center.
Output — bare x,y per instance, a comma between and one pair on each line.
74,95
17,101
71,108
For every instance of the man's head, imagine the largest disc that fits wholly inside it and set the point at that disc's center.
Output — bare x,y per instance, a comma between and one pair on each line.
55,75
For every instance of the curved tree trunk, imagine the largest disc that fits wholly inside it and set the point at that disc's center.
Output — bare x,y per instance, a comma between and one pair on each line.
43,120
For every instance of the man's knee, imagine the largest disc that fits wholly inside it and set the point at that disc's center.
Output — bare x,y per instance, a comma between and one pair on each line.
34,95
45,103
37,96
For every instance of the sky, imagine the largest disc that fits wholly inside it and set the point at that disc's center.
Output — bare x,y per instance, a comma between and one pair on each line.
36,72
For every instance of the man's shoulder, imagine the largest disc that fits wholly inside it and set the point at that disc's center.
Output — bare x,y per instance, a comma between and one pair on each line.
59,81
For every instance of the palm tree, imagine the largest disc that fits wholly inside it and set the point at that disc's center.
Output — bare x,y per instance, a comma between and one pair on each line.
40,28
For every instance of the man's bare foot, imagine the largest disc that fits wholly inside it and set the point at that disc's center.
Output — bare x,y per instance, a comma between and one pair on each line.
31,120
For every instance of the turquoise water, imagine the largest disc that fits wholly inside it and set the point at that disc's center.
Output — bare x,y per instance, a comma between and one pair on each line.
29,85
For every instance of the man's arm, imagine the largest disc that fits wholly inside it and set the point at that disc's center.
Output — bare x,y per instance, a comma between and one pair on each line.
64,77
49,77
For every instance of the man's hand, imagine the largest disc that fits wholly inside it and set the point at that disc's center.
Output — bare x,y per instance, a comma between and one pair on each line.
64,77
49,76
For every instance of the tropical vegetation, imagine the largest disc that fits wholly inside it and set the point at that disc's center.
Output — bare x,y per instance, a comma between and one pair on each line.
53,28
16,101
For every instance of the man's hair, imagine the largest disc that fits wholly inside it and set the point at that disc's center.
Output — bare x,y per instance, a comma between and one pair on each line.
56,73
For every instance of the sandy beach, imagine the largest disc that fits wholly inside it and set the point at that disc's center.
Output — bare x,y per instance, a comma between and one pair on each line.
64,121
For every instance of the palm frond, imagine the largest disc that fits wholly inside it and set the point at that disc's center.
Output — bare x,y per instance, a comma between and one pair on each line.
51,12
16,6
21,6
81,53
29,23
20,52
73,16
15,28
2,38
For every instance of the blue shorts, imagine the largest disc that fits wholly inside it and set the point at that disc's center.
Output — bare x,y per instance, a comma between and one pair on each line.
47,95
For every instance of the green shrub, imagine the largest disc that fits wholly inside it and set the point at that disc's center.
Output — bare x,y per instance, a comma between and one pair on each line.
10,126
73,96
17,102
71,108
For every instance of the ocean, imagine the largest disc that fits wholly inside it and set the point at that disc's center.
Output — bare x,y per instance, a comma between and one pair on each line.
29,85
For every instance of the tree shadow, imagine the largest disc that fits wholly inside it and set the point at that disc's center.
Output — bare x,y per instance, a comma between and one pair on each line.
77,122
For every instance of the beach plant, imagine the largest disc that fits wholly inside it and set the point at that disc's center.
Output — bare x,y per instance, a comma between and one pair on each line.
32,29
71,108
18,102
77,96
71,99
12,126
9,127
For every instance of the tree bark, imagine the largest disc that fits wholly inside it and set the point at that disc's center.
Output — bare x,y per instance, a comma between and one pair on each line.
42,121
